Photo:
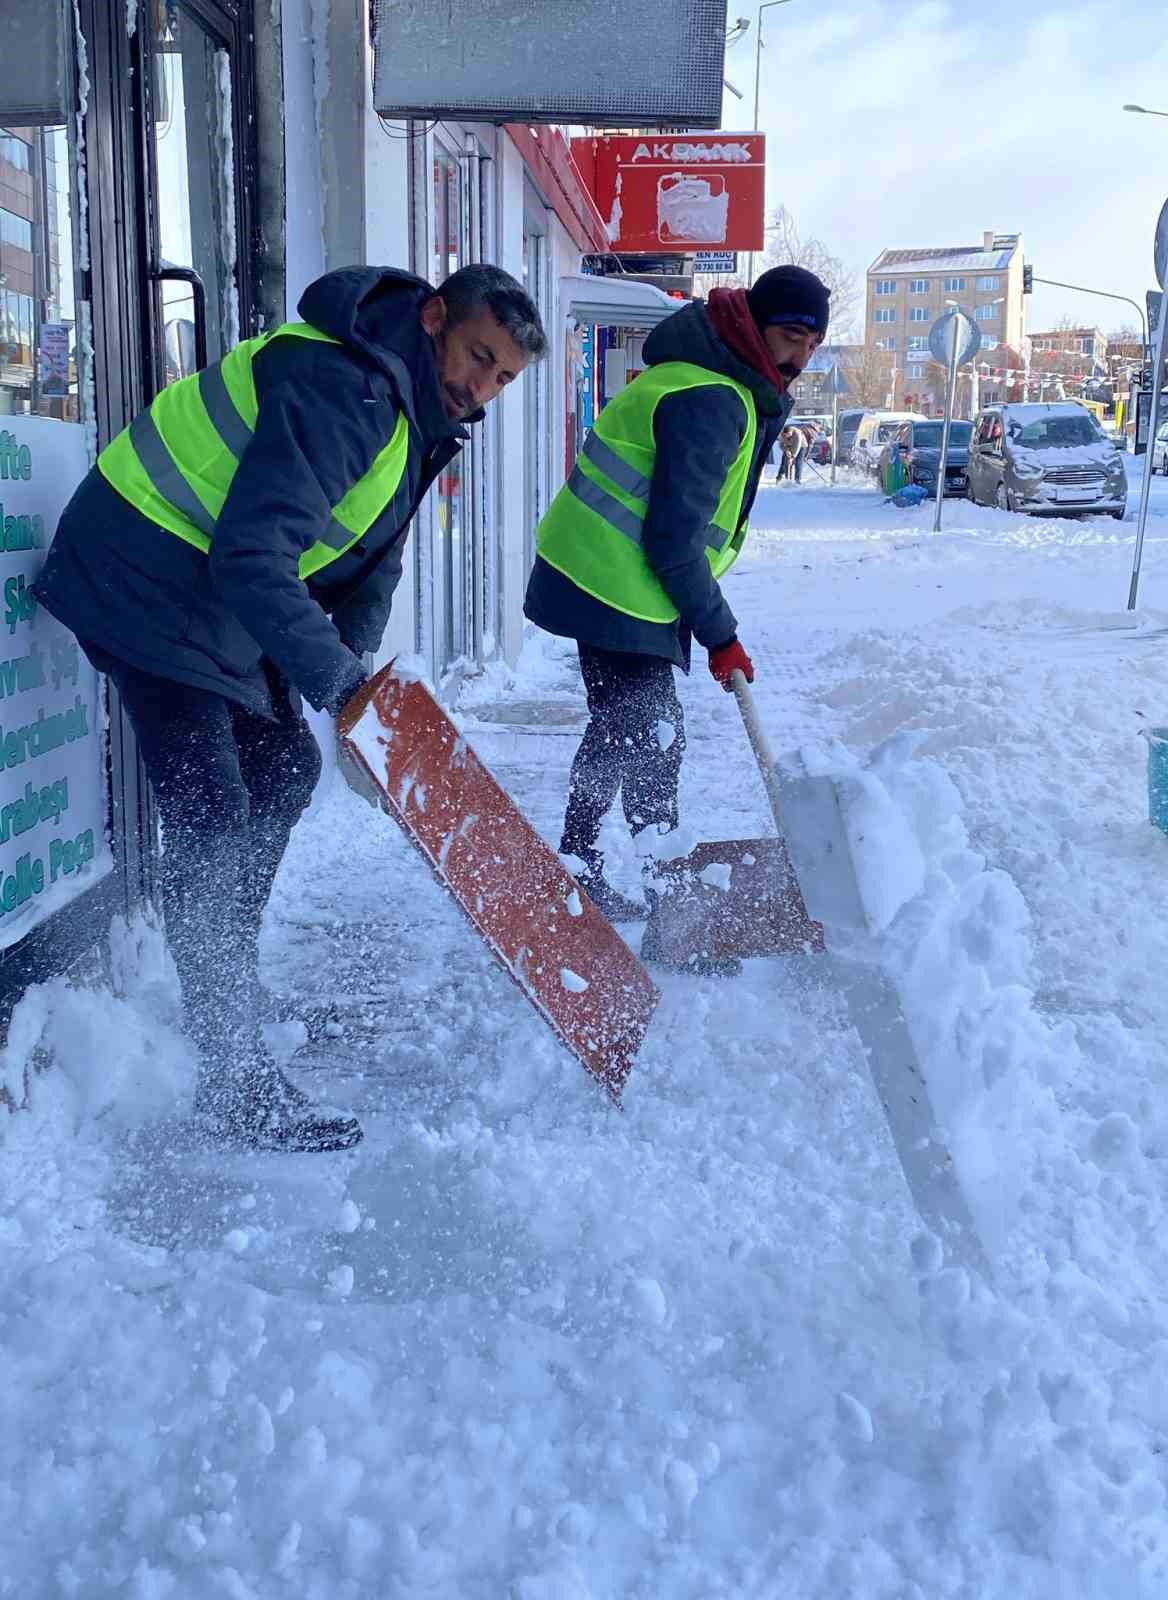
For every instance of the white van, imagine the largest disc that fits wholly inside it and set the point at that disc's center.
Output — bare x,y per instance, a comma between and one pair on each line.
875,430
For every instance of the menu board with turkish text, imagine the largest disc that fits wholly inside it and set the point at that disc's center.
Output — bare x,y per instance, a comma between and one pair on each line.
53,828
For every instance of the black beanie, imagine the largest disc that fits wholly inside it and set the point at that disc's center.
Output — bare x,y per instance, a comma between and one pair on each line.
790,294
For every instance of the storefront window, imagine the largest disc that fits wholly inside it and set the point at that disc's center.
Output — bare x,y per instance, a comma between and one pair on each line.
450,489
38,343
195,188
534,391
447,215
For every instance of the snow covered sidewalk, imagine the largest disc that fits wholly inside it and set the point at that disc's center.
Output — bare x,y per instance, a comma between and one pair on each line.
521,1345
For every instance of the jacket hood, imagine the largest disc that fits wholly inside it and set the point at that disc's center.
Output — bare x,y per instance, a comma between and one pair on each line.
365,307
375,310
688,335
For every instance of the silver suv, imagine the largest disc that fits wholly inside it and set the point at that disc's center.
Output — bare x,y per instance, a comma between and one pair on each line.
1045,459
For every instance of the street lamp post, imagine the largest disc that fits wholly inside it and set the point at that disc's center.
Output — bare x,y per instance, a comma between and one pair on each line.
1146,111
766,6
974,394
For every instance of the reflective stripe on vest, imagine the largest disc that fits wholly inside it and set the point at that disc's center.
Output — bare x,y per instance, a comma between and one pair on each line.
176,461
593,530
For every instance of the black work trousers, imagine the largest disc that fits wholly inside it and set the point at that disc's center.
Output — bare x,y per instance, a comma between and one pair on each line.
229,787
633,743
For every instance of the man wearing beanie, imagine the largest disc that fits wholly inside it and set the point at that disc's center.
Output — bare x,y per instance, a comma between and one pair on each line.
654,512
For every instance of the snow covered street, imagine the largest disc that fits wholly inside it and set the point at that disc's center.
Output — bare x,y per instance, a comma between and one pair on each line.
521,1345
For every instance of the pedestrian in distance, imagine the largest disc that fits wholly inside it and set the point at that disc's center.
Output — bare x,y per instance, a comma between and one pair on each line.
237,547
632,547
793,443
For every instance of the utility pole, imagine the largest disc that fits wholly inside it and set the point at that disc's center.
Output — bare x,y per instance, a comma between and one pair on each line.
766,6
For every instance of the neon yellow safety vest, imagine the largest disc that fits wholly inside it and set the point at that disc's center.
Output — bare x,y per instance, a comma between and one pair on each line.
592,531
176,460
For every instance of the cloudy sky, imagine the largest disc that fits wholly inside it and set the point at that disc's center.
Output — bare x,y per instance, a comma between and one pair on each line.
908,125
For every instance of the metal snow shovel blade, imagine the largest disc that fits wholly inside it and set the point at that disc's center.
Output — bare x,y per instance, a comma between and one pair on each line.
733,899
401,751
818,879
822,855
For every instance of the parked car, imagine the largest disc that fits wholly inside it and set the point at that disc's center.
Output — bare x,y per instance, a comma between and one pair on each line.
848,421
1045,459
1159,451
875,430
920,446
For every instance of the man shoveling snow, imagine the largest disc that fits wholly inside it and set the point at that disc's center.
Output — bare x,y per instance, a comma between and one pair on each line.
655,511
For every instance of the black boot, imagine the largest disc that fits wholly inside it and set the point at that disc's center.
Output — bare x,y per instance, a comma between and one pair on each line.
617,907
258,1108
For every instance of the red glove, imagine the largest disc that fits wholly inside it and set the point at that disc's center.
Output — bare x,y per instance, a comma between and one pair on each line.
731,658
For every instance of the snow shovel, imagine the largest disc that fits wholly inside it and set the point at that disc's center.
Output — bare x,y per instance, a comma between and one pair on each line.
765,913
400,750
735,899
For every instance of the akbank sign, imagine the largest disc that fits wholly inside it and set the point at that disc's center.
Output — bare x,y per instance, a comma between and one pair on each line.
681,194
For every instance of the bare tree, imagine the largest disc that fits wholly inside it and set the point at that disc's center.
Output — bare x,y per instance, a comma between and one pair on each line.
869,376
784,243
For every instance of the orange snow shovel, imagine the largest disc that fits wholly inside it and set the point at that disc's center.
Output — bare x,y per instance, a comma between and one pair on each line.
401,751
734,899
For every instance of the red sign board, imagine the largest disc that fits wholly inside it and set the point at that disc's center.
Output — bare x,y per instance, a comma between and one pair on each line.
677,192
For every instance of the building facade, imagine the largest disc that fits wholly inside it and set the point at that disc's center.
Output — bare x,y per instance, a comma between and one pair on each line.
906,291
811,392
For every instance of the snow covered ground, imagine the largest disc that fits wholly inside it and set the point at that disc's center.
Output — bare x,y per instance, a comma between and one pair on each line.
521,1345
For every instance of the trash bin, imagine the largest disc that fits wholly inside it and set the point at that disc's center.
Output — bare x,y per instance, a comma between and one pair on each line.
1158,776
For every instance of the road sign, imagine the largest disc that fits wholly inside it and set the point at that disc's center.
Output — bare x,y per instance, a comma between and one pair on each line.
836,383
953,330
716,261
954,339
1160,249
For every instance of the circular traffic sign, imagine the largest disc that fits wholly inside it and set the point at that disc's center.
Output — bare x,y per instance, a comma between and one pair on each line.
954,327
1160,253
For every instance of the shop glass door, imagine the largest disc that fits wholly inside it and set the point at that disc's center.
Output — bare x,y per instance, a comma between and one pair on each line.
196,221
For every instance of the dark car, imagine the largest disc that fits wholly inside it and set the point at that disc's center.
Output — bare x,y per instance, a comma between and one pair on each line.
919,444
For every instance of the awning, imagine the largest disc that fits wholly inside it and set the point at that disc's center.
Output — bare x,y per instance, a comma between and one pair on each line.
615,302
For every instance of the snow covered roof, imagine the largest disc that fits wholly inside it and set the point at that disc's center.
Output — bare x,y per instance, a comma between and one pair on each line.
964,258
829,354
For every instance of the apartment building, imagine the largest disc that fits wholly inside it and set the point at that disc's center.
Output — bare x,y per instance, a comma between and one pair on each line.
907,290
1090,343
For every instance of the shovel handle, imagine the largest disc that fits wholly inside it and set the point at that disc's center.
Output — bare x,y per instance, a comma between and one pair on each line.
758,743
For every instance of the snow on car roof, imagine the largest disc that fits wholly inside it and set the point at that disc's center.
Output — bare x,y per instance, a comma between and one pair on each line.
1034,410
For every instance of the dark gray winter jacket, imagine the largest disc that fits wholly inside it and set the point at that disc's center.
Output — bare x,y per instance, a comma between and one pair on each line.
698,433
146,597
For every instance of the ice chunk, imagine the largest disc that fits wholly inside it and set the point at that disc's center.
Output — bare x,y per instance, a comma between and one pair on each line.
666,734
854,1418
716,875
572,981
340,1282
682,1483
647,1295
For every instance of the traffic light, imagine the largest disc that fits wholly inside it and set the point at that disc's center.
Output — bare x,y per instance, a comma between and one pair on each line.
1027,280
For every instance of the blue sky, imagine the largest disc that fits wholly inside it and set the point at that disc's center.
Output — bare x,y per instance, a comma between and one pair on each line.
903,125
